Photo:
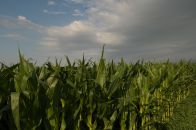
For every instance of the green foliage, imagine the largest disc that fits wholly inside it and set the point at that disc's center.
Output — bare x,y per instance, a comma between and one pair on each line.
84,95
184,116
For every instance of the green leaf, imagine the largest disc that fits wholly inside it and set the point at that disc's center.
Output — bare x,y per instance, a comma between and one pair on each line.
113,117
101,73
52,81
15,97
63,124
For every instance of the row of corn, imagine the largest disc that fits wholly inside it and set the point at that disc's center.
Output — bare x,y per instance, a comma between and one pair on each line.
86,95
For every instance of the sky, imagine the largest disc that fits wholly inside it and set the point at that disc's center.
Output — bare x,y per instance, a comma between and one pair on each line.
151,30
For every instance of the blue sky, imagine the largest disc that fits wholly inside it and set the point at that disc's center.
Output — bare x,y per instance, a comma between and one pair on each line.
133,29
36,10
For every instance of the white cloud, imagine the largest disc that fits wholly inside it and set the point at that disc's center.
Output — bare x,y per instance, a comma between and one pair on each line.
54,12
109,38
86,35
24,22
50,42
69,35
78,1
45,11
13,36
79,34
130,28
19,22
77,13
133,29
22,18
51,2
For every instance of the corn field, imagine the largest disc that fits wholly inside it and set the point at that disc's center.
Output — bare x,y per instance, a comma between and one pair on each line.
85,95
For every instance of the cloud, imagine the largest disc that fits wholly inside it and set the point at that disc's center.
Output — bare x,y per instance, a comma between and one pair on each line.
13,36
75,36
21,22
78,1
22,18
132,29
150,28
79,35
7,22
19,32
54,12
51,2
77,13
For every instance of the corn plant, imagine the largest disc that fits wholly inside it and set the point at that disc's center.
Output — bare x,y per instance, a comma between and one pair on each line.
85,95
